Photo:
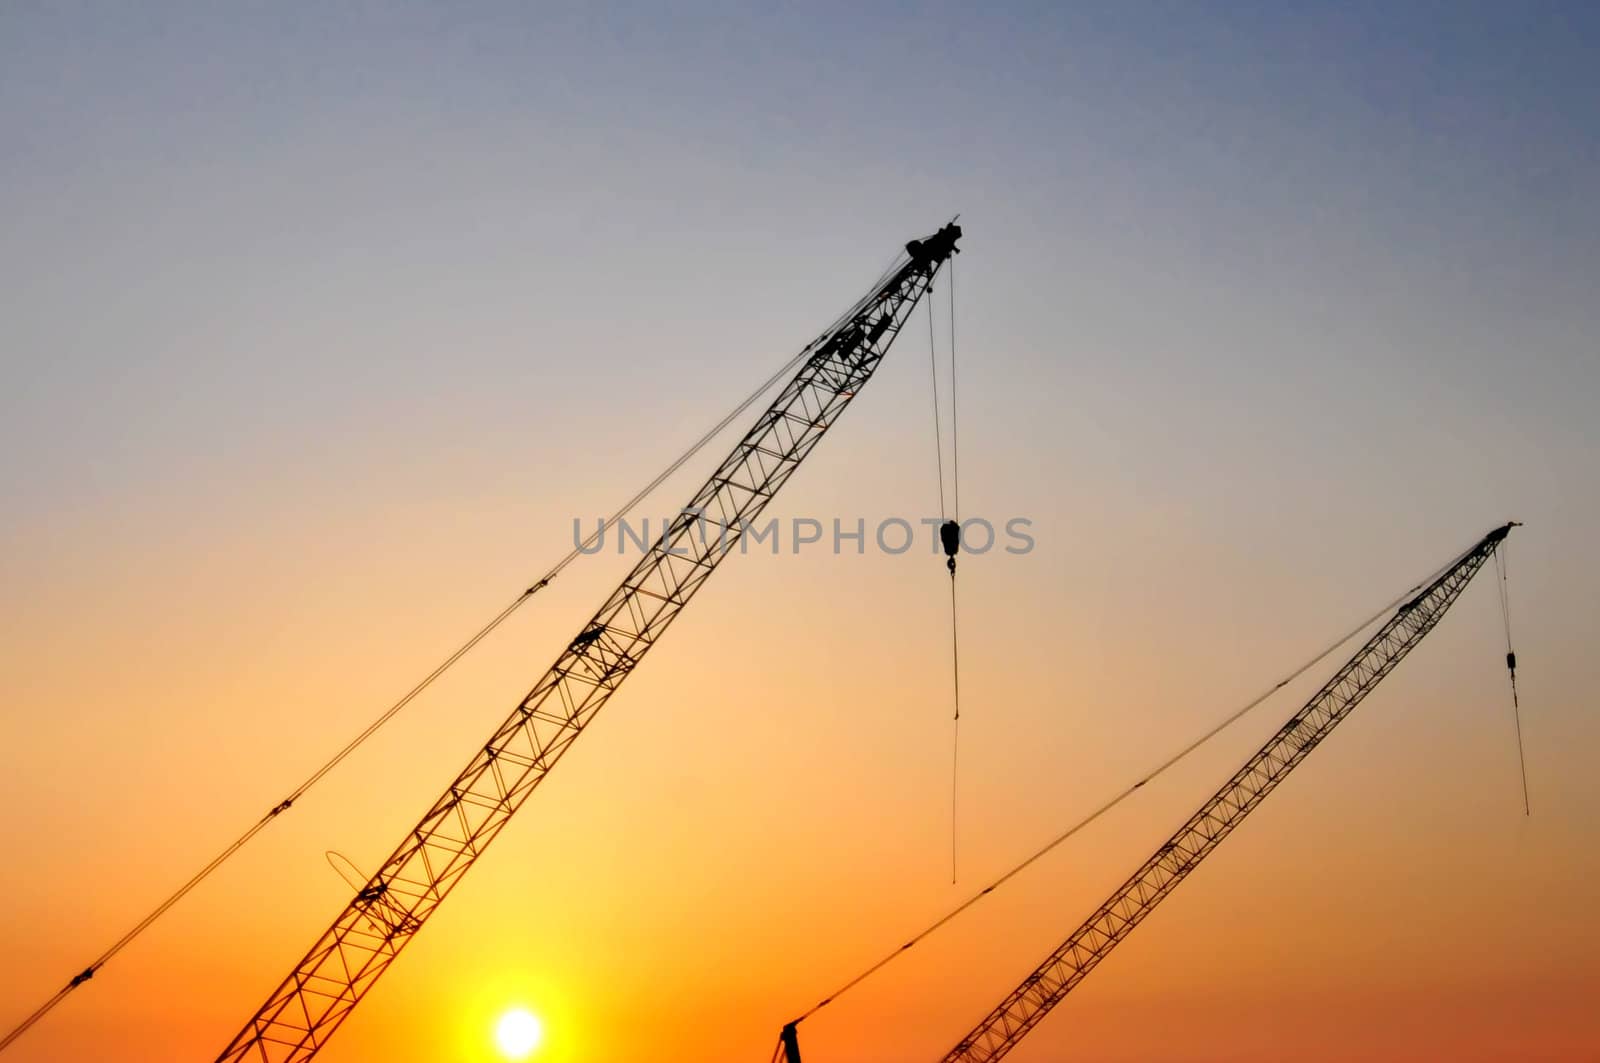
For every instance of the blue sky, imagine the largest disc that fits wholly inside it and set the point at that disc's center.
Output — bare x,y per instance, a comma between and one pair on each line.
1419,170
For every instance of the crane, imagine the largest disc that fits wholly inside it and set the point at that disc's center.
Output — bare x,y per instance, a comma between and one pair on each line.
1048,984
308,1006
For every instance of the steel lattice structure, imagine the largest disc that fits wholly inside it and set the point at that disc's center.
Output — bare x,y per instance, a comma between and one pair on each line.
1052,980
318,995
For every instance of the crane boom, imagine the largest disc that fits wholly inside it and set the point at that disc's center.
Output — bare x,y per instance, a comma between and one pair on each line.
1052,980
304,1011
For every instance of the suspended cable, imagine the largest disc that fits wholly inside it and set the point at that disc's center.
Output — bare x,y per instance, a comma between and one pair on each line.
1500,565
955,420
950,539
955,725
938,430
1103,809
955,528
411,695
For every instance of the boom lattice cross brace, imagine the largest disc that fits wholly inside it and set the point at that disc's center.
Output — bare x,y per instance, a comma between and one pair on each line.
1052,980
305,1010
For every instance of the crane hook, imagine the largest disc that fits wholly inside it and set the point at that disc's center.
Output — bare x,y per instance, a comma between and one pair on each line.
950,537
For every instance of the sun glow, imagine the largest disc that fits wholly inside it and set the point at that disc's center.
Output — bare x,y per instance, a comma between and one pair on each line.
518,1033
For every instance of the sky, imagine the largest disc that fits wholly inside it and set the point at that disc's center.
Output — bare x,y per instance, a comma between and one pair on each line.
324,323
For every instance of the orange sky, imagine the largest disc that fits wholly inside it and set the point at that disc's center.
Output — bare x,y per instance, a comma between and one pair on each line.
322,333
762,811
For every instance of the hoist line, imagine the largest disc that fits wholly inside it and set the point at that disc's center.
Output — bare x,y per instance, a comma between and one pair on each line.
1501,565
422,685
938,430
955,644
1159,770
955,420
944,515
955,725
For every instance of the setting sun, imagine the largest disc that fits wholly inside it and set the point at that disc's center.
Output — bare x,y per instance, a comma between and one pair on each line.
518,1033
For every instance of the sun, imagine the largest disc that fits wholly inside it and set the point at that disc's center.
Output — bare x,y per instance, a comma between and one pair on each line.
518,1033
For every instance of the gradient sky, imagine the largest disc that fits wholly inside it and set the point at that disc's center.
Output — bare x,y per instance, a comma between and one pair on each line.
323,323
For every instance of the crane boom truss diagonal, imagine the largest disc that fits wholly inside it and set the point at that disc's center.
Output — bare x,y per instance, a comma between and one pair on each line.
1005,1026
305,1010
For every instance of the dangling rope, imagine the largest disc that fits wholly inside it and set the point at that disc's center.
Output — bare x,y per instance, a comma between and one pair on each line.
1511,667
938,430
955,421
955,725
955,627
950,539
